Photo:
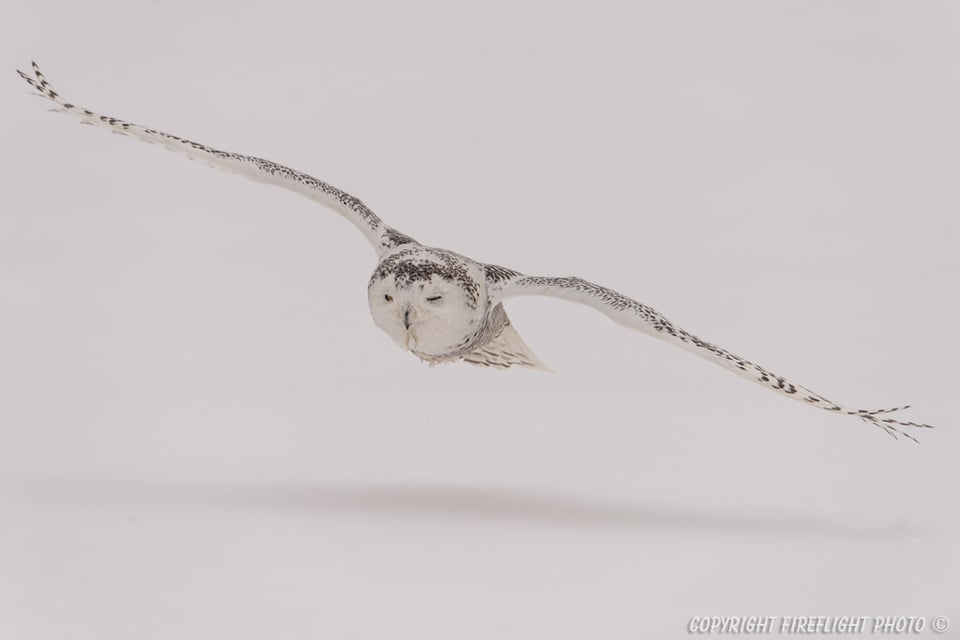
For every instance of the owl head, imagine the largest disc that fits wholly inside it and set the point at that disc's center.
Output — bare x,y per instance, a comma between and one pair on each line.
429,301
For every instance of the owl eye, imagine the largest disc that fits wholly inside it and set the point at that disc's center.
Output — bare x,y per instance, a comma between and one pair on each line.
433,298
388,297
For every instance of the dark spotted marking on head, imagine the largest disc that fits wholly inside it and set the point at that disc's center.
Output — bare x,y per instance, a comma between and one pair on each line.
418,265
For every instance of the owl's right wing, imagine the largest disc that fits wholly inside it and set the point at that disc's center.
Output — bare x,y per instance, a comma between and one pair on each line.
507,283
379,234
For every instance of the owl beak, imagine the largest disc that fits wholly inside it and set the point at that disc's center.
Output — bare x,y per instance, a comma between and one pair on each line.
406,318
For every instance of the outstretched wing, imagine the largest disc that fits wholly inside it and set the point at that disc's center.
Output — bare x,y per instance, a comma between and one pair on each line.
380,235
635,315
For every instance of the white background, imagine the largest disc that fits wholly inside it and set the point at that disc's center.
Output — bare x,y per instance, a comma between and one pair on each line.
203,435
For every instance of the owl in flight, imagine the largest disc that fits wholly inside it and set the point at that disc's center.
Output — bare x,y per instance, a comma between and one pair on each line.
444,307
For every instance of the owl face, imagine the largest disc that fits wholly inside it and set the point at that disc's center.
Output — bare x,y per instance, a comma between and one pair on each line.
426,306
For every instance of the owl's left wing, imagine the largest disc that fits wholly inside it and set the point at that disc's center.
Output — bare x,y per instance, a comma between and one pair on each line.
630,313
353,209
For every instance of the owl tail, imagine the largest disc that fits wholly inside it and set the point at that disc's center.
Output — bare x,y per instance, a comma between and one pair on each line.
506,350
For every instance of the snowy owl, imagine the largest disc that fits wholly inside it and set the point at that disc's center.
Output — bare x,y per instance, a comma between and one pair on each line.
445,307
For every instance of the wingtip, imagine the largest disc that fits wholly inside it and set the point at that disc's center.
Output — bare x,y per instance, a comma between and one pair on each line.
27,78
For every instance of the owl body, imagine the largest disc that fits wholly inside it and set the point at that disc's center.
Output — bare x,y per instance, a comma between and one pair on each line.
440,306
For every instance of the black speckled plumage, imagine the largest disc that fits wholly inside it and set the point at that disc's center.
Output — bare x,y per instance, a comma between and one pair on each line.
415,263
491,341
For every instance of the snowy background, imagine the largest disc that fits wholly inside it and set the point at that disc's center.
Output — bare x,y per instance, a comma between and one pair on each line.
203,435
